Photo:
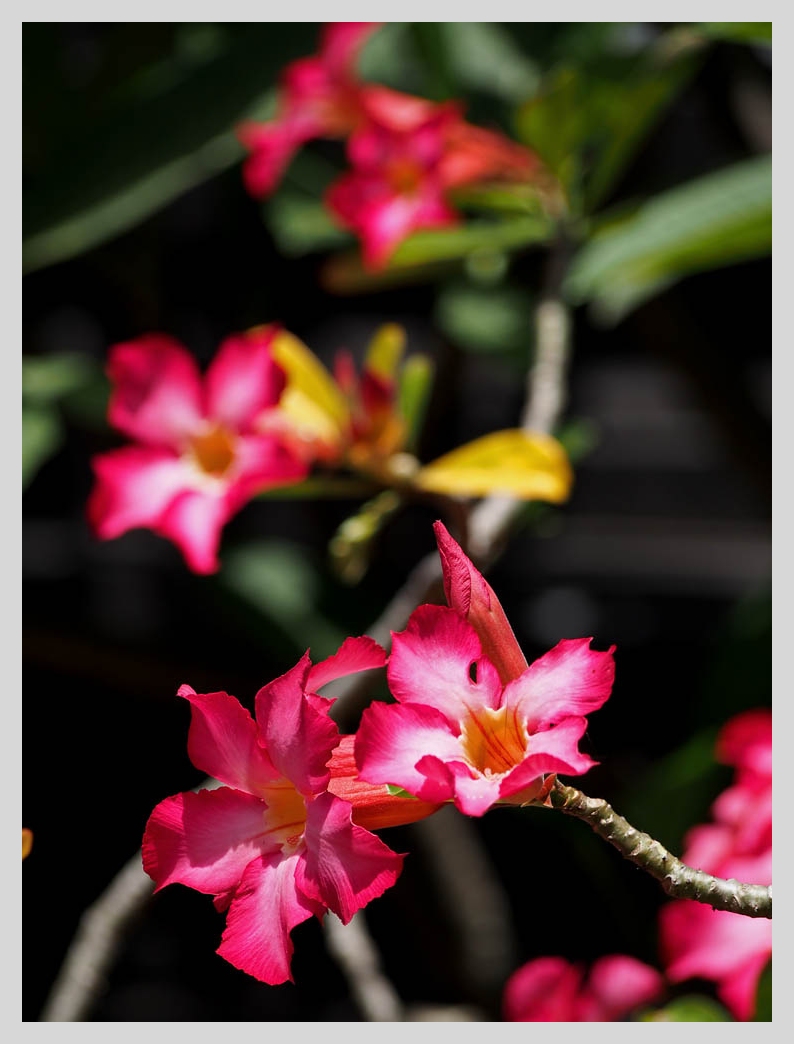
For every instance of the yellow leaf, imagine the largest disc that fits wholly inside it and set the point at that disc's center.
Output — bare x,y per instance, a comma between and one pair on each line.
528,465
310,382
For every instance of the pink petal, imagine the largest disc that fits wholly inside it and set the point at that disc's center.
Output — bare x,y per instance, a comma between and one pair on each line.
204,840
555,750
698,942
616,986
391,741
340,43
543,990
346,866
243,379
432,661
296,730
222,741
156,396
570,679
353,655
272,147
134,487
394,110
261,462
475,793
468,593
738,991
194,521
746,741
383,224
266,907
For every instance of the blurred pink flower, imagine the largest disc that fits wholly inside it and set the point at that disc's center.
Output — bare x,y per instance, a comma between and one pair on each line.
274,845
196,456
696,941
406,158
318,98
550,989
459,730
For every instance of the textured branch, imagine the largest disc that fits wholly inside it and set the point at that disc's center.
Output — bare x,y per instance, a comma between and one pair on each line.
676,878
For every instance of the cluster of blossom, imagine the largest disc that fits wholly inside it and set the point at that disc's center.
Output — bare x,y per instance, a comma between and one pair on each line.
407,155
262,416
288,834
696,942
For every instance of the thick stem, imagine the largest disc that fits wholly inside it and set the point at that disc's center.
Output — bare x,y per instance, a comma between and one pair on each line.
676,878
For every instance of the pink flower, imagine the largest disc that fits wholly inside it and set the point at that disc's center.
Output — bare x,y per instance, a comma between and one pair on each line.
273,845
696,941
407,157
319,98
550,989
196,456
461,731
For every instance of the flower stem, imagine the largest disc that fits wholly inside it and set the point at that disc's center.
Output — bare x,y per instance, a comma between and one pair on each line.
676,878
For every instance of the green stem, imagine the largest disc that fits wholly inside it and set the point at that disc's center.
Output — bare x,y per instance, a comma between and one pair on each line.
676,878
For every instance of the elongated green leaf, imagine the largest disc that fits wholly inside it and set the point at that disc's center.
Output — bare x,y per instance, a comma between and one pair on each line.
46,378
763,996
42,435
714,221
142,154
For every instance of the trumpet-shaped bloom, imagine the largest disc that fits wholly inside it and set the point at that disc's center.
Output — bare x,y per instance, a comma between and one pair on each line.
461,732
356,421
196,457
696,941
319,97
551,989
276,844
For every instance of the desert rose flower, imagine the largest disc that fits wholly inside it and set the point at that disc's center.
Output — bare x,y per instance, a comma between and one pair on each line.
552,989
318,98
276,844
470,725
728,948
196,457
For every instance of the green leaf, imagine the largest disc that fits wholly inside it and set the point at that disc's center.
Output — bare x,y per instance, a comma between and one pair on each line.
46,378
484,57
278,580
763,996
42,436
486,319
716,220
692,1008
301,225
400,792
143,153
738,32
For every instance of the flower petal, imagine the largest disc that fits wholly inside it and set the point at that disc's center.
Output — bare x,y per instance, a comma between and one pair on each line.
134,486
265,908
542,990
475,793
340,43
392,739
374,806
347,865
296,730
514,462
553,750
307,376
194,521
156,396
432,661
243,379
469,593
204,840
354,655
222,741
616,986
571,679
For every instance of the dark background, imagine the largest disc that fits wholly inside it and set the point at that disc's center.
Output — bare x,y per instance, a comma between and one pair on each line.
664,549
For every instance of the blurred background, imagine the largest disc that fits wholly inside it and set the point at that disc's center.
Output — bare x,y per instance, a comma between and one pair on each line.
136,219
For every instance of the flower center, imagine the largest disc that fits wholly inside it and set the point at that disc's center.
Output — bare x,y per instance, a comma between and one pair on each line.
214,450
495,741
405,176
285,816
